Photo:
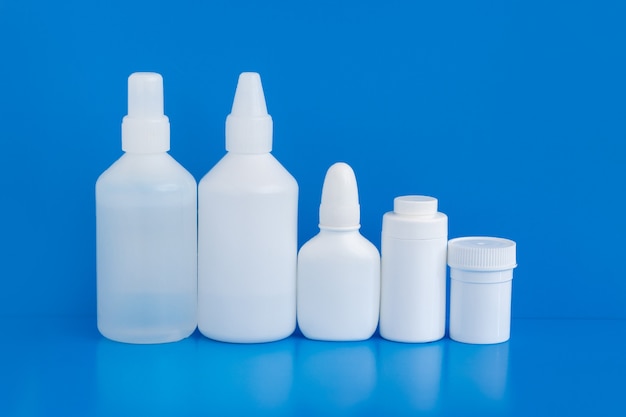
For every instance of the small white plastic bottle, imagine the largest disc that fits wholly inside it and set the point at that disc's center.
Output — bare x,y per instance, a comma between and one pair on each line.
413,288
338,269
146,229
247,234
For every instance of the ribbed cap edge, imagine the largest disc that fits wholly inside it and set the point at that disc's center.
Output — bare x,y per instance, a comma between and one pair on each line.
482,253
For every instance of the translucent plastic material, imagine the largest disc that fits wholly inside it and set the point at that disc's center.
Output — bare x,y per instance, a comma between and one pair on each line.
145,129
338,269
247,242
146,241
413,290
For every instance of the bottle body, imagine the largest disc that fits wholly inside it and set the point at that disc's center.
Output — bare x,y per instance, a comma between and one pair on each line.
413,286
338,286
480,306
247,249
146,250
413,302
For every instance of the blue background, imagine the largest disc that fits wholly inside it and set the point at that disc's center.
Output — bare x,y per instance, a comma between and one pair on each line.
512,114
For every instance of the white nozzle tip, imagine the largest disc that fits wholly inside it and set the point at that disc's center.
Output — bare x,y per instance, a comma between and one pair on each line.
248,126
249,98
145,95
340,198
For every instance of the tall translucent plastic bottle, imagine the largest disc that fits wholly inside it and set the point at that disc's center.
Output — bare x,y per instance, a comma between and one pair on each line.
338,269
146,229
247,231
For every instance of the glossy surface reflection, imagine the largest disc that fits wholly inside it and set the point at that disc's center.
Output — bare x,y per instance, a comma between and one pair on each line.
241,379
64,367
335,377
144,379
477,378
411,376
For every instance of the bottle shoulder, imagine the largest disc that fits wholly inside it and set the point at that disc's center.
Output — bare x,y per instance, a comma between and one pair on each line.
393,217
146,170
415,227
249,172
340,245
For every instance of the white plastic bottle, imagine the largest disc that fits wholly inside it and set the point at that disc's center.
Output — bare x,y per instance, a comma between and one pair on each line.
413,289
247,235
338,269
146,229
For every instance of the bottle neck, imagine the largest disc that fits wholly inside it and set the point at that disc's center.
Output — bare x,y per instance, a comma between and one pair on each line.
145,135
249,135
146,154
334,229
241,152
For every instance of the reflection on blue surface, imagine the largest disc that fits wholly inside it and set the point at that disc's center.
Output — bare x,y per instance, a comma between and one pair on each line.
81,372
300,376
411,375
478,377
173,379
238,379
335,377
144,379
64,367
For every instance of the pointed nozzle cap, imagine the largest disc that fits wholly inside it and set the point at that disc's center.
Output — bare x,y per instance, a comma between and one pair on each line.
340,199
145,129
249,126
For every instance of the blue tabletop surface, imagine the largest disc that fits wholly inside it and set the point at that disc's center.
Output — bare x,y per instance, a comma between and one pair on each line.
60,366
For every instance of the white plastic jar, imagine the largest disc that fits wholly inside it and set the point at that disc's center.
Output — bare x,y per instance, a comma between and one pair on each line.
481,272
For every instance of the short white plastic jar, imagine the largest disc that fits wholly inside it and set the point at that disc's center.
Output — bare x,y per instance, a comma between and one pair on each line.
481,272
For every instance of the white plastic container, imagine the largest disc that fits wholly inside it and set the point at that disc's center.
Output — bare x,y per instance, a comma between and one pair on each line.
247,234
146,229
338,269
413,289
481,272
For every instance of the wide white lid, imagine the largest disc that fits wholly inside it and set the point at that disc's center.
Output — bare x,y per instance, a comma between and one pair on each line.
482,253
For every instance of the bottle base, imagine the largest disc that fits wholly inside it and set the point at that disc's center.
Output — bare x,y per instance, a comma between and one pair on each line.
146,336
245,339
323,338
479,339
325,331
411,339
247,318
